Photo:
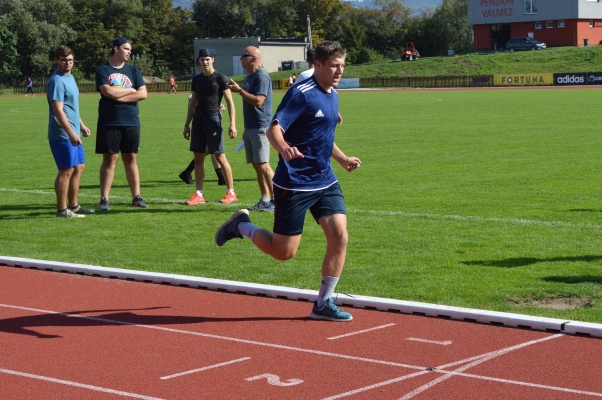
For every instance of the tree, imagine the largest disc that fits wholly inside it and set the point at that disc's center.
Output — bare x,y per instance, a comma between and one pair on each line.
452,18
9,67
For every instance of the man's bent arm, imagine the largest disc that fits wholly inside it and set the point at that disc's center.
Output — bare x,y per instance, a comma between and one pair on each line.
115,93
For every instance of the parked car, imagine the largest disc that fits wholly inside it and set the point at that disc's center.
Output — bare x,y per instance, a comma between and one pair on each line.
524,43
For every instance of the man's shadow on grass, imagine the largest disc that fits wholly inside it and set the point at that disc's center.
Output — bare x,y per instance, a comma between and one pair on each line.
574,279
43,210
523,261
125,317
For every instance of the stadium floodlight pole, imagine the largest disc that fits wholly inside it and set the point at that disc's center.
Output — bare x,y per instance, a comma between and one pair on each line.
309,30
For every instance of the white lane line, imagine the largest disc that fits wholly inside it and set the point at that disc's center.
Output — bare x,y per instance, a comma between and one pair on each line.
520,221
443,343
78,385
192,371
230,339
491,356
362,331
376,385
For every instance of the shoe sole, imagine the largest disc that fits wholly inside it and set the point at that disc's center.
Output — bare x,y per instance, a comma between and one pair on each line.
326,318
232,218
194,204
227,202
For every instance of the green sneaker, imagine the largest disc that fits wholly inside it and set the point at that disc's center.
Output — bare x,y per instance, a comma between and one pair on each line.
329,312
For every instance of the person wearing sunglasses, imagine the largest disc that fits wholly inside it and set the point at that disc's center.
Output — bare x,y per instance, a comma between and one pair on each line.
64,127
256,93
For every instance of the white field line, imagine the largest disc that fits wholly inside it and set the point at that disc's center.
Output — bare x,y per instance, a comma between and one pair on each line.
519,221
489,357
78,385
443,343
362,331
218,337
192,371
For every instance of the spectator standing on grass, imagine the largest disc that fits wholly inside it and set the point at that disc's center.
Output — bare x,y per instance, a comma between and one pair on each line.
121,87
186,175
172,85
256,94
303,134
64,127
29,87
207,137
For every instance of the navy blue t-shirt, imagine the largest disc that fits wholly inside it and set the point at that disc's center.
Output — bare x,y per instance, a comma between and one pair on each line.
259,83
111,112
308,116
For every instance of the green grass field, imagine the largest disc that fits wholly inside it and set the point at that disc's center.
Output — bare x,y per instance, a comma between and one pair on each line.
483,199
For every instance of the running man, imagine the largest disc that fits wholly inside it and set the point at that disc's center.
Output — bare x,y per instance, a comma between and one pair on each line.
303,134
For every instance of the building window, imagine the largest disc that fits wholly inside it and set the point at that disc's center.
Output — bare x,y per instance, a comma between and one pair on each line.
549,24
594,1
561,23
530,7
538,25
591,23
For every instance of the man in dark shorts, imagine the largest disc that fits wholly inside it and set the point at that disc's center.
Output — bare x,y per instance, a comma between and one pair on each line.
256,94
64,127
207,137
303,134
121,87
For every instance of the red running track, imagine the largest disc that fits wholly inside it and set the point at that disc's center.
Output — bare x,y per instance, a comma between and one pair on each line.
66,336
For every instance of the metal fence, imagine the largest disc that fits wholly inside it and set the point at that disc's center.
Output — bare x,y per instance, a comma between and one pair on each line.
400,82
428,81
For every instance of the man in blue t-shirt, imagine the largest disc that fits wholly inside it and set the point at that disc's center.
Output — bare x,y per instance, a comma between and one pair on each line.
256,94
303,134
64,127
121,87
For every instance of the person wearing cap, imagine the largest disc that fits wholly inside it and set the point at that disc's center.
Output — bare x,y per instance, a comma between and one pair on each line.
206,136
257,109
121,87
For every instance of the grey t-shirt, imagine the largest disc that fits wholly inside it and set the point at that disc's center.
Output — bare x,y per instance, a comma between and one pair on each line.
258,83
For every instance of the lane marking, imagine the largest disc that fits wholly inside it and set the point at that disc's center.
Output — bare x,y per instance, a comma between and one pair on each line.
274,380
444,343
376,385
78,385
362,331
489,357
519,221
192,371
226,338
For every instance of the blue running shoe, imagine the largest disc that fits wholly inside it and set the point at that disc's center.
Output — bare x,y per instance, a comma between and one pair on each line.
330,312
229,229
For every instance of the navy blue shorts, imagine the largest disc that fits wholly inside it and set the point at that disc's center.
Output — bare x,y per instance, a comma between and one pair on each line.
291,206
115,139
207,133
67,155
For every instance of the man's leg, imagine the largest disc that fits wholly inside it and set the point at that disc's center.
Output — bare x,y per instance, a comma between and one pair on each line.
226,170
218,171
264,174
199,171
74,185
61,187
107,173
131,172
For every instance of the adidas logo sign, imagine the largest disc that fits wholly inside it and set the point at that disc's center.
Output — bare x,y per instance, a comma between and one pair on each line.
319,114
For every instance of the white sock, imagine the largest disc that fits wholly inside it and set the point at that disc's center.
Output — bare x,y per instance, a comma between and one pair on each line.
329,283
265,199
199,192
231,191
247,229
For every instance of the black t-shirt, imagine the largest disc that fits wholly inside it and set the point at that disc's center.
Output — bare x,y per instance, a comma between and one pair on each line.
111,112
209,91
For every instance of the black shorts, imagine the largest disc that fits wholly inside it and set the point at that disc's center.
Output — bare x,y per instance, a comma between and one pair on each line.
207,133
291,206
115,139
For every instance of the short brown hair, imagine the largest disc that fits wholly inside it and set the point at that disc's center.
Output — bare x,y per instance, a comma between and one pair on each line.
62,51
327,49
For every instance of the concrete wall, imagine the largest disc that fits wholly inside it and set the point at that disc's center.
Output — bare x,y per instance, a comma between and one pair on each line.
229,50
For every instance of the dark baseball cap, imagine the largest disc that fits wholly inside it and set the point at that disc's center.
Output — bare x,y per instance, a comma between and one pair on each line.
205,52
118,41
